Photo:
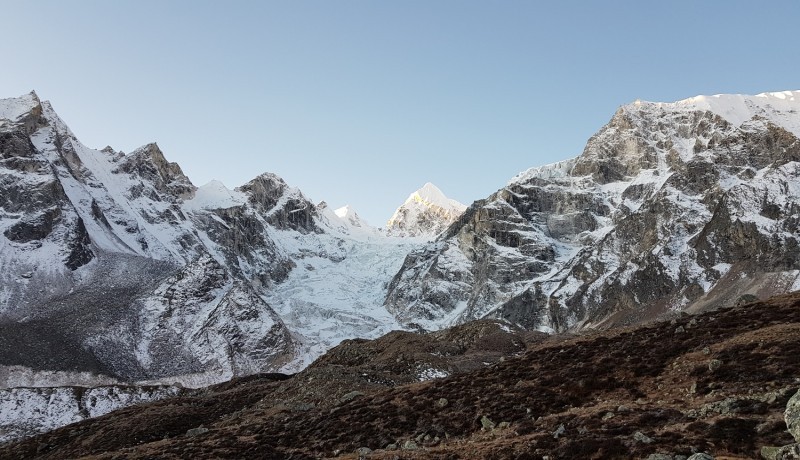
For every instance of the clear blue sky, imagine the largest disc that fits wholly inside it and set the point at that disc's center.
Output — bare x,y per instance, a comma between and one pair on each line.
362,102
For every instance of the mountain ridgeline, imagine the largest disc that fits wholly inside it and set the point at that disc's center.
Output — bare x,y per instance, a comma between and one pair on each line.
671,206
117,269
116,264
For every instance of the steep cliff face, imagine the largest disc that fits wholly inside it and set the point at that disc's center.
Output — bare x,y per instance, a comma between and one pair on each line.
670,206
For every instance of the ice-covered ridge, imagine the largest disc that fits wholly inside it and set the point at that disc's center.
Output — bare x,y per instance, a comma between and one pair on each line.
556,170
781,108
13,108
214,195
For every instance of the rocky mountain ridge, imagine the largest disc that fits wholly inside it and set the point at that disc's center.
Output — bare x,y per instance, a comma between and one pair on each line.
671,206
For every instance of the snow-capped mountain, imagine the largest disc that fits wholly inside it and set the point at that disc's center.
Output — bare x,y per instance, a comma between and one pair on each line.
117,269
116,265
426,212
349,215
670,206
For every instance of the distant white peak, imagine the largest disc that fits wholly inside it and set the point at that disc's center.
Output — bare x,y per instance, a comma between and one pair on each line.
344,211
214,195
426,212
430,195
781,108
348,214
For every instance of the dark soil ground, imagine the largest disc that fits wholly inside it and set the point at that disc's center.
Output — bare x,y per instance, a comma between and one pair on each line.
716,382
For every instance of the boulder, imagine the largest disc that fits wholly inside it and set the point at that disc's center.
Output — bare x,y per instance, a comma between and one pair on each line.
792,416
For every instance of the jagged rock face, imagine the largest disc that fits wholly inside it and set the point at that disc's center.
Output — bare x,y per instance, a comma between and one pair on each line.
669,207
427,212
792,416
285,209
200,320
149,164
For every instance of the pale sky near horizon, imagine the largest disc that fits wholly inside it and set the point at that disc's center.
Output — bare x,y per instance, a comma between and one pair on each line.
362,102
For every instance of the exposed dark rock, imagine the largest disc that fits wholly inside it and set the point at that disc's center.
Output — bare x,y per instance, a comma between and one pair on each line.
296,212
149,164
34,227
80,252
700,456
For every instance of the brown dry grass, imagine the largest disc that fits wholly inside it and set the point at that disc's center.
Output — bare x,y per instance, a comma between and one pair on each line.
660,374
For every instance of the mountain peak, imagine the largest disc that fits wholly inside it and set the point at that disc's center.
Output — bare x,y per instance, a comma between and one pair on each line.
349,215
345,211
427,211
427,193
777,107
21,111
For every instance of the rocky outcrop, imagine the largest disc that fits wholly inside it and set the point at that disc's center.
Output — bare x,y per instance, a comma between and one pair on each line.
792,416
670,206
149,164
284,207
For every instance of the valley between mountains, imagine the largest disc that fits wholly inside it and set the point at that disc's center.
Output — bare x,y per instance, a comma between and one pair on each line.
122,283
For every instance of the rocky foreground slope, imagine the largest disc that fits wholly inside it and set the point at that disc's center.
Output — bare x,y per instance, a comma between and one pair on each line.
671,206
716,382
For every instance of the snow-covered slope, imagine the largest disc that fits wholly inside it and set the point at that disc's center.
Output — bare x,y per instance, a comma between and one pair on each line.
426,212
670,206
29,411
116,268
144,276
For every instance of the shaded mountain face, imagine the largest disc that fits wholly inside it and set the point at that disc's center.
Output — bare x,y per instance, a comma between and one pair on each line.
426,212
716,382
683,205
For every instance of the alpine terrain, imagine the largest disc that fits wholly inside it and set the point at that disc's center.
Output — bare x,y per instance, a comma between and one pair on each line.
720,384
122,282
671,206
117,269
